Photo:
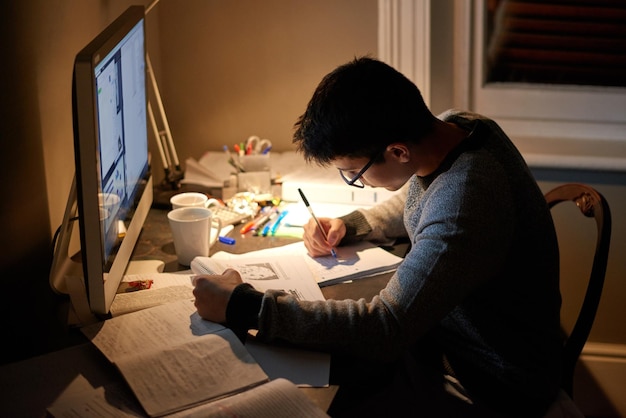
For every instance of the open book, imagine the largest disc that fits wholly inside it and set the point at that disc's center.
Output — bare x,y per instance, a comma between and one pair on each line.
173,360
278,398
289,274
353,261
145,290
302,367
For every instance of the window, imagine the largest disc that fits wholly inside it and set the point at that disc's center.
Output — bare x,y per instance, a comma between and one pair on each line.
569,42
543,115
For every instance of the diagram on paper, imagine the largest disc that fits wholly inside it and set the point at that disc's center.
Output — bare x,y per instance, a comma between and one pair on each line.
260,271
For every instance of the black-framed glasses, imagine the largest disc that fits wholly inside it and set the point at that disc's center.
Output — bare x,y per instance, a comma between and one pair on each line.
356,180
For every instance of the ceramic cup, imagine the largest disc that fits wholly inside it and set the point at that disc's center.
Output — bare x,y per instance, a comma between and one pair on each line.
192,199
191,230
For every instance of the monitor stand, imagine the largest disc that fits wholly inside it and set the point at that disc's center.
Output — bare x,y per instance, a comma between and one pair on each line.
66,273
145,267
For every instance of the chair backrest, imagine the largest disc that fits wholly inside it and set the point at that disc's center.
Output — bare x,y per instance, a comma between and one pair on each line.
592,204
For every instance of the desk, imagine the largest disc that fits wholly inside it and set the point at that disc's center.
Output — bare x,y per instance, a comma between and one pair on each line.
28,387
155,243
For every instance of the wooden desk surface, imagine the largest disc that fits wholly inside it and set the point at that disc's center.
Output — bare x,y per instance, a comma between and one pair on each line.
28,387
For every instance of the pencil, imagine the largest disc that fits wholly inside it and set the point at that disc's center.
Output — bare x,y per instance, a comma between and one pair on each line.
319,225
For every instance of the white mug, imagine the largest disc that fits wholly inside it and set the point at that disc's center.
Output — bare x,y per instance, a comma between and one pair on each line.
192,199
191,229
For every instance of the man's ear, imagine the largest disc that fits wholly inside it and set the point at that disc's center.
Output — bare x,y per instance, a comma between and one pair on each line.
399,151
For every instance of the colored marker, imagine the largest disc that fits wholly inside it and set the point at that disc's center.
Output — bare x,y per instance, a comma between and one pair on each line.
277,223
227,240
268,223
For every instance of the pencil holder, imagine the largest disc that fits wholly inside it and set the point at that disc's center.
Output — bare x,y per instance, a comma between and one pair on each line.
255,162
257,182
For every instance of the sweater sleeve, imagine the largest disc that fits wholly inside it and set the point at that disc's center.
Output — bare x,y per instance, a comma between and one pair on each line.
243,308
380,224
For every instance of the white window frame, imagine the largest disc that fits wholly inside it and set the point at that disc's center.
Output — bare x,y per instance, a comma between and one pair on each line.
557,126
404,39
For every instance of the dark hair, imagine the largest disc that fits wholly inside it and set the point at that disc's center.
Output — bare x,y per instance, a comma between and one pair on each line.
358,109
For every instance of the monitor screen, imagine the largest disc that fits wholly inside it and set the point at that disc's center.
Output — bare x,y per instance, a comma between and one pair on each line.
122,136
113,182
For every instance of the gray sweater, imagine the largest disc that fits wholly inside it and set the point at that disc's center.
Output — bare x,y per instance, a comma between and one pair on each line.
480,281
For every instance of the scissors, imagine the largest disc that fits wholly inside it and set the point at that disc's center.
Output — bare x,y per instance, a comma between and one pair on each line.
256,145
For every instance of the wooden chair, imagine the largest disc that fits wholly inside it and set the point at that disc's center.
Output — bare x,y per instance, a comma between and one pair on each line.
592,204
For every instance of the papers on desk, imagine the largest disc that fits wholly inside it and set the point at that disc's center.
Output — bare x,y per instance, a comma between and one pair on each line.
173,360
302,367
276,399
289,274
353,262
164,287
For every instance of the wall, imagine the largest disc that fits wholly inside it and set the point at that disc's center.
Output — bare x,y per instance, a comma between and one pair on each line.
24,214
231,69
227,69
39,41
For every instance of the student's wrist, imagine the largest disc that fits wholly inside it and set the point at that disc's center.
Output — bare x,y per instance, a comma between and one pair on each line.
242,311
357,227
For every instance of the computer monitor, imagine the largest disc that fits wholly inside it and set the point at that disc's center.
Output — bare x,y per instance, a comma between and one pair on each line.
112,191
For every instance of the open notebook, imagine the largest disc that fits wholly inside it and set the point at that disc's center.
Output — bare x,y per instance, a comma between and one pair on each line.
173,360
353,262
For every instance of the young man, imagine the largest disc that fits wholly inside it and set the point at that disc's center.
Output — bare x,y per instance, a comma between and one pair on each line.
469,323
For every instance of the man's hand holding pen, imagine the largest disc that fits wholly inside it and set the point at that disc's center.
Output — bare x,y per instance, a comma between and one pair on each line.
314,240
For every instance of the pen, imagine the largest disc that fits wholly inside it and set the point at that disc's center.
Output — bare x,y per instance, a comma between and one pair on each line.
231,161
268,223
258,228
250,225
277,222
319,225
258,223
247,227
